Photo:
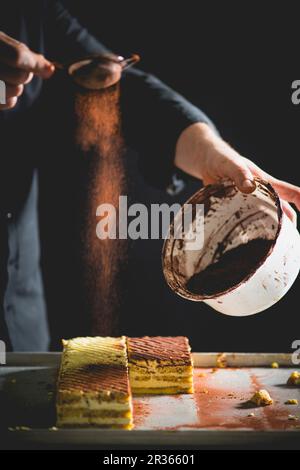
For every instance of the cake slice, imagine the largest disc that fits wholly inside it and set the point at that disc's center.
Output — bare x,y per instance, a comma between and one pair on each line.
93,385
160,365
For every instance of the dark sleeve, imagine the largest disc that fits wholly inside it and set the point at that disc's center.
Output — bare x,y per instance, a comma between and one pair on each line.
153,117
66,39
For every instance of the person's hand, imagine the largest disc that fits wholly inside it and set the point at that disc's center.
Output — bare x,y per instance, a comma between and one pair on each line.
200,152
18,64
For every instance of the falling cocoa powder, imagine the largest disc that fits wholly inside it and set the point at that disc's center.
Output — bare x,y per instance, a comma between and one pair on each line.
233,266
99,136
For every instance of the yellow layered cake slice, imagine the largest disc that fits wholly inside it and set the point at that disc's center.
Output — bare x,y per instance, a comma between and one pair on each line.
93,384
160,365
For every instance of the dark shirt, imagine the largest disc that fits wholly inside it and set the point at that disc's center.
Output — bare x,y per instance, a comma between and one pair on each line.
153,114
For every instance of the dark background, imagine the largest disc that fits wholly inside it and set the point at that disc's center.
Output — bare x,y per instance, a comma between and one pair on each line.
237,64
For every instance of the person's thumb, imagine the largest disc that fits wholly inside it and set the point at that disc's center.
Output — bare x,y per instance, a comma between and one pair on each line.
35,63
18,55
242,176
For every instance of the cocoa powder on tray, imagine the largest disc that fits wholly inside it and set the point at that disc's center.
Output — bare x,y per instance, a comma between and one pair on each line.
230,269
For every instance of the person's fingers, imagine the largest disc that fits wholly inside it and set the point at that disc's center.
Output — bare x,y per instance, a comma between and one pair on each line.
37,64
287,191
209,180
14,91
14,76
10,103
240,173
289,211
18,55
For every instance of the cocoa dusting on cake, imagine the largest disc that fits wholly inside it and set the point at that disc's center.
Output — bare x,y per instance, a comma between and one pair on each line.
95,378
233,266
160,348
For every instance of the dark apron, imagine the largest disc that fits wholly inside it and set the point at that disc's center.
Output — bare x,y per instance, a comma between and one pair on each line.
24,304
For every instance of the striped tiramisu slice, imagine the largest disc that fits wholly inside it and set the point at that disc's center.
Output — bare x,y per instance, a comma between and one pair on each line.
93,384
160,365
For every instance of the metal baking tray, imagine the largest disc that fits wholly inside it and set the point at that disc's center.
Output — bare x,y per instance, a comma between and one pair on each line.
216,415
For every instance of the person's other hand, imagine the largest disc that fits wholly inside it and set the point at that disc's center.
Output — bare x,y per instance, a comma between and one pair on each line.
200,152
18,64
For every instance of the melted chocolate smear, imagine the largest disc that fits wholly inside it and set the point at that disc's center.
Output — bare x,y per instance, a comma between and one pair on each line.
230,269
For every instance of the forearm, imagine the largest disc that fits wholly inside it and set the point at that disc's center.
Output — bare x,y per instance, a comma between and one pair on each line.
202,153
191,148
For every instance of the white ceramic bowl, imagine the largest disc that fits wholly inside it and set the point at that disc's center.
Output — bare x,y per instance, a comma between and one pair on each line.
231,219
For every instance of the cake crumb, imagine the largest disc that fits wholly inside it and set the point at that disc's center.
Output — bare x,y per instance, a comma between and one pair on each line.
201,374
292,418
294,378
275,365
261,398
291,401
221,362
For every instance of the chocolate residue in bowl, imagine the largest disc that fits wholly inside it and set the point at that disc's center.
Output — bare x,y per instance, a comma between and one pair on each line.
233,266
